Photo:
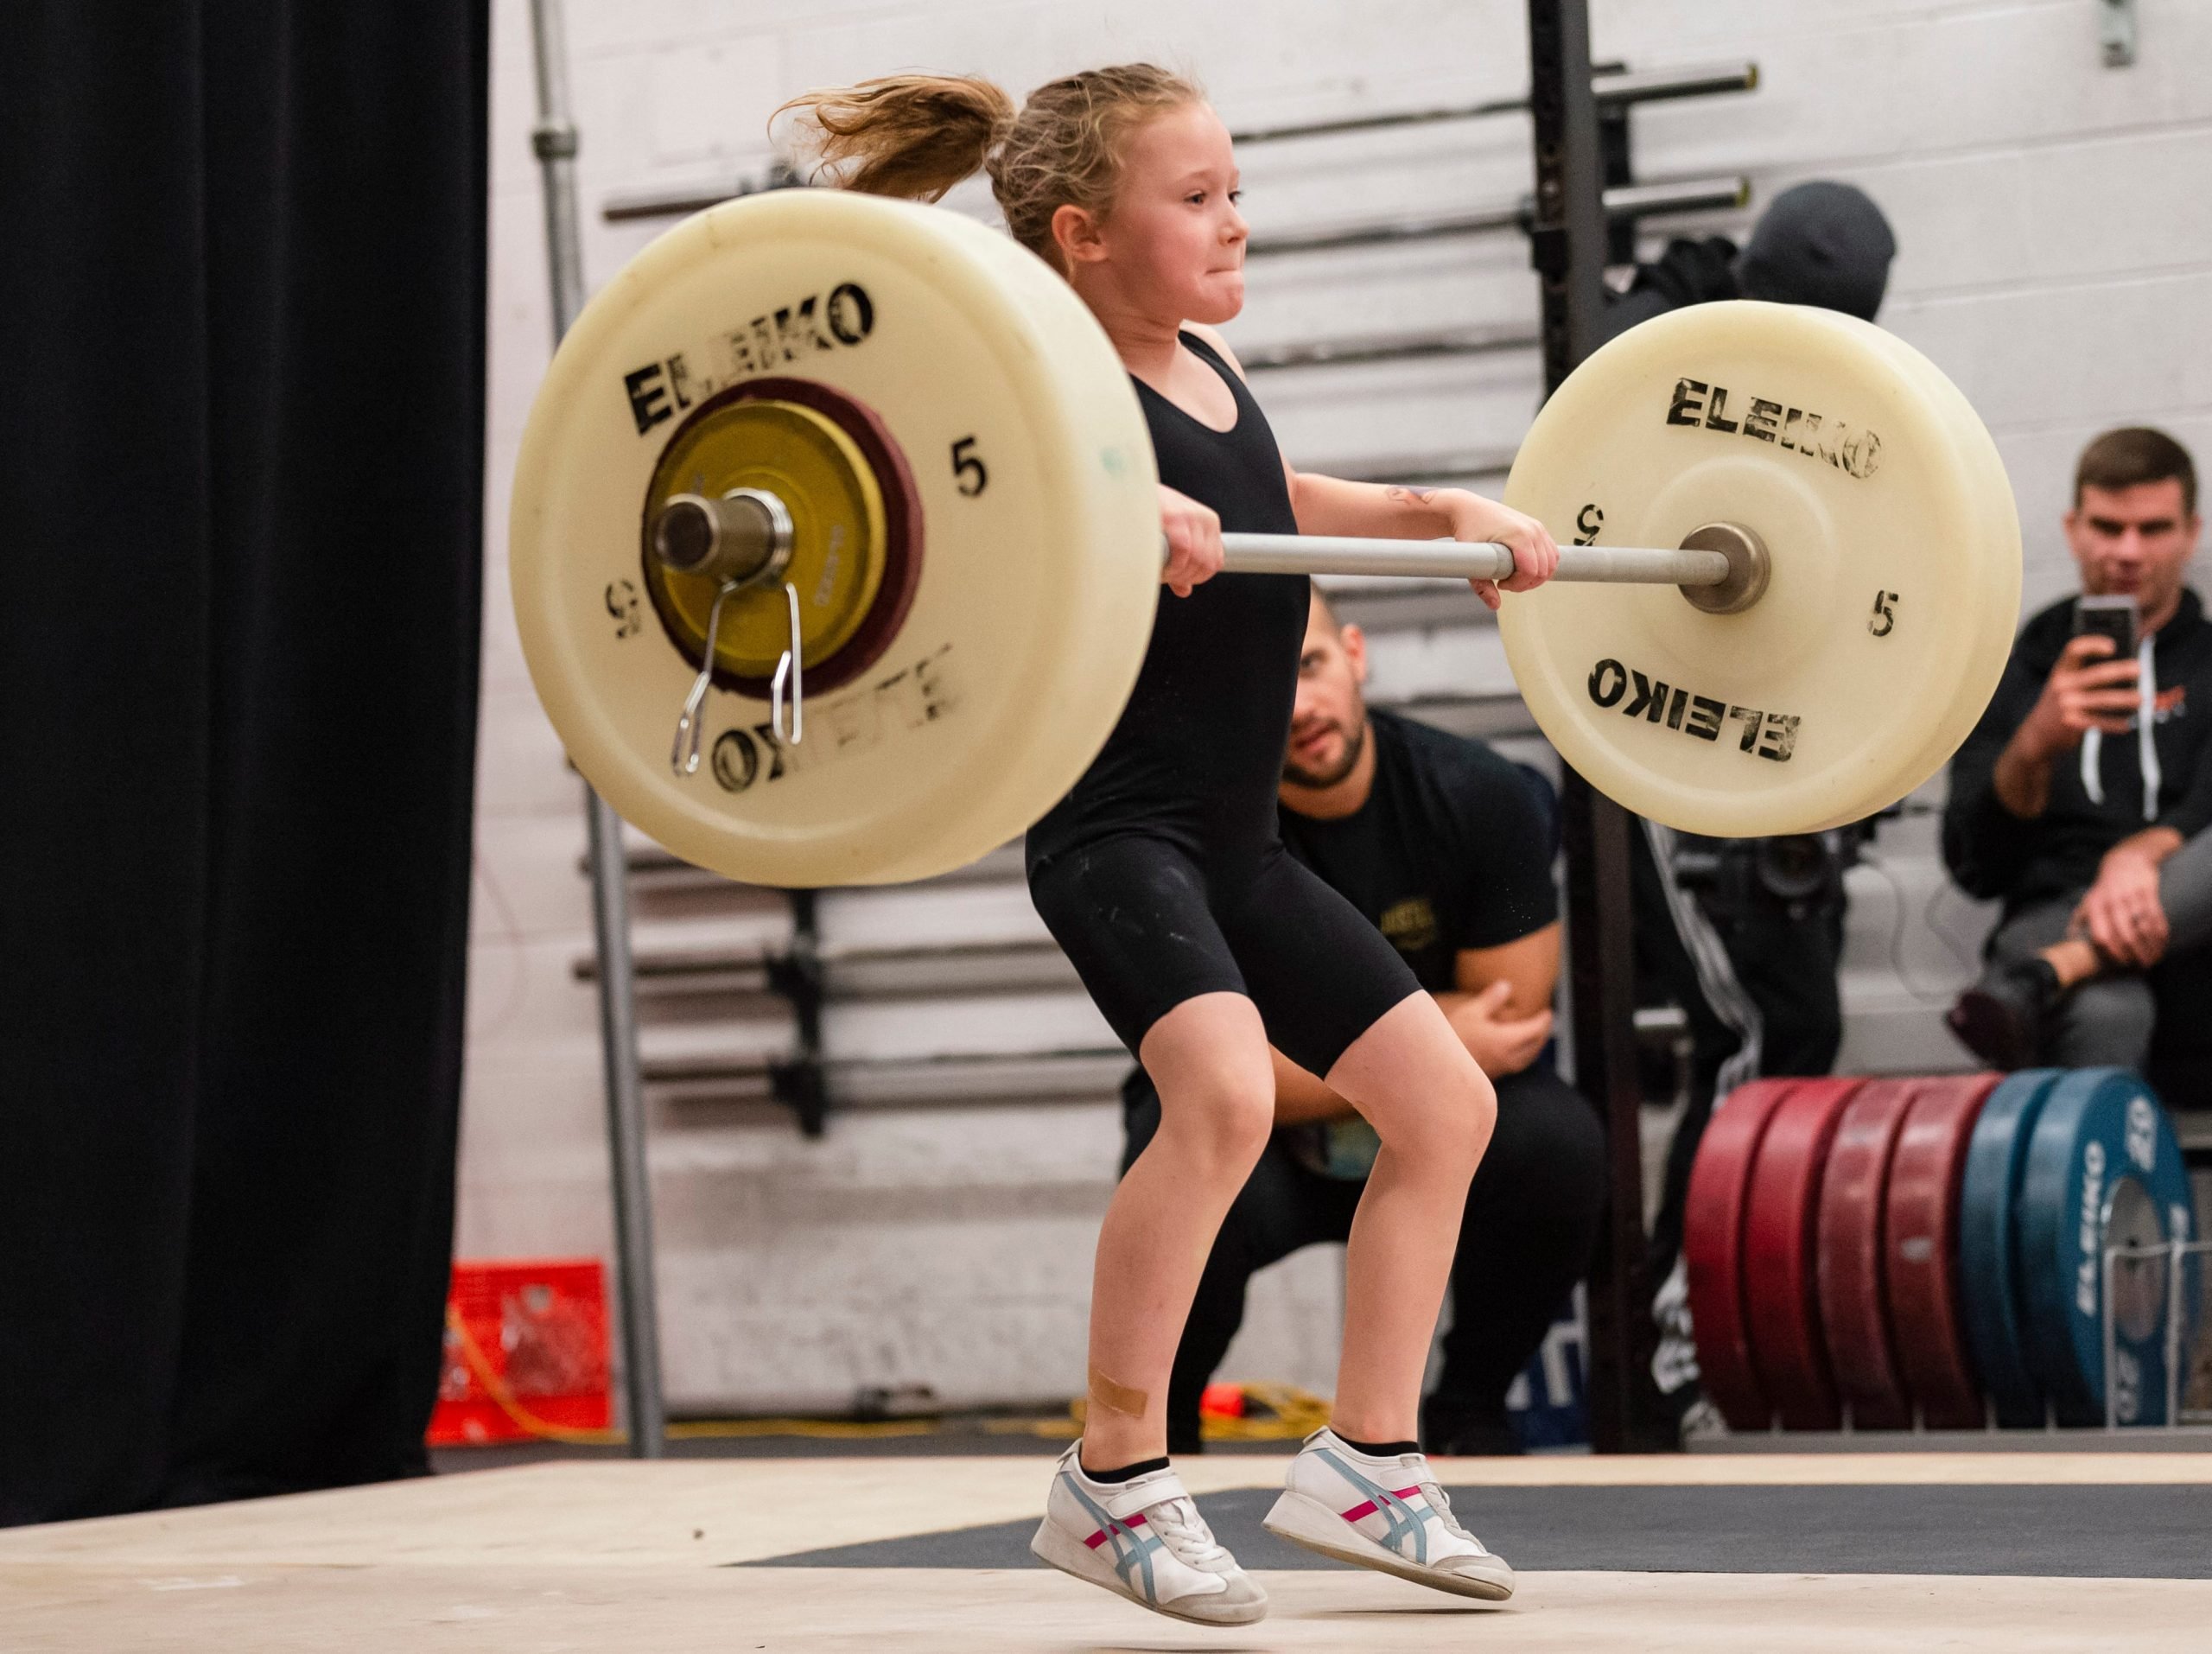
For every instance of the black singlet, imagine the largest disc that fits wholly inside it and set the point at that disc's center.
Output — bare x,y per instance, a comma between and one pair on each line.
1162,874
1199,747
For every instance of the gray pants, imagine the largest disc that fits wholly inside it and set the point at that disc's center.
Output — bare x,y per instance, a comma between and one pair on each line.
2106,1021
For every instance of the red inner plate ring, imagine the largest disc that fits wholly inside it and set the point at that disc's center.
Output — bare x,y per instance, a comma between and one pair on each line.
902,535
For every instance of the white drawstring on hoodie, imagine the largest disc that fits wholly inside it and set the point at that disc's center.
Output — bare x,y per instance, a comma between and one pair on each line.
2147,745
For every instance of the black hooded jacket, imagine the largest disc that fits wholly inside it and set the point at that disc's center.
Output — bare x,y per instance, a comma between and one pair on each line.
1994,854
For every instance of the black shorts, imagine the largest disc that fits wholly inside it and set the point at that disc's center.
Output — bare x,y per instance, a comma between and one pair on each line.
1148,925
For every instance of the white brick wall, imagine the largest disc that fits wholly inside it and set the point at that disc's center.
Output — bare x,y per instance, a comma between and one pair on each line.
2056,236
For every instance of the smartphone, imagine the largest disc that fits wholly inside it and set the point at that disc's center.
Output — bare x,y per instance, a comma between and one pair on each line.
2108,617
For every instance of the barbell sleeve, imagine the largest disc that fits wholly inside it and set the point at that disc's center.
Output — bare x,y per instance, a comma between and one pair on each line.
1321,554
745,536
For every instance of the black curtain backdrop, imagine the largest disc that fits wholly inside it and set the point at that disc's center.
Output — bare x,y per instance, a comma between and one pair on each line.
241,417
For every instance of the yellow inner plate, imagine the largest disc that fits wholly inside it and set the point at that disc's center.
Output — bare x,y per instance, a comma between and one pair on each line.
837,525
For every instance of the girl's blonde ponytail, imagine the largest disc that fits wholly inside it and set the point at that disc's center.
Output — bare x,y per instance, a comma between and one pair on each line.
917,136
913,136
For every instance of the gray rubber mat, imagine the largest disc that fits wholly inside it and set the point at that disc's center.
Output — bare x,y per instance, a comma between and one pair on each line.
2068,1531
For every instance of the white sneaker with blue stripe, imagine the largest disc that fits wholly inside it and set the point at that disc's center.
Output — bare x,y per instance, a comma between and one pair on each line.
1387,1514
1145,1540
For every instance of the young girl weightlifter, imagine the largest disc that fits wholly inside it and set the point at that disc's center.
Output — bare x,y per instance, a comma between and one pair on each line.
1215,958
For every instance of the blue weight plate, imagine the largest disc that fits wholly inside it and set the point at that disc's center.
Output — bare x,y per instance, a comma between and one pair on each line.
2103,1170
1988,1294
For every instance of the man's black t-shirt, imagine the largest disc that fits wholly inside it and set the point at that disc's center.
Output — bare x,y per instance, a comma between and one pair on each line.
1452,850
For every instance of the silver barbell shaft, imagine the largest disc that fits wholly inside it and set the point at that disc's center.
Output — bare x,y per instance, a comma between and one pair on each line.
1318,554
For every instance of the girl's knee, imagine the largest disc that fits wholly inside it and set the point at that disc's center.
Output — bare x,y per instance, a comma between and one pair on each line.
1218,1131
1478,1121
1449,1130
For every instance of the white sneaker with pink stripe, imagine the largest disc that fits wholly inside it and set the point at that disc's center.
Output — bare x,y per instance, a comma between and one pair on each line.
1145,1540
1387,1514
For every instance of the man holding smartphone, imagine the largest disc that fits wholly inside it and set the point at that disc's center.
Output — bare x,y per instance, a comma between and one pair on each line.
2083,798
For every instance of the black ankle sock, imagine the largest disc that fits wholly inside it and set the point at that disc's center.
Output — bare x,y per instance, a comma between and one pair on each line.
1380,1449
1126,1474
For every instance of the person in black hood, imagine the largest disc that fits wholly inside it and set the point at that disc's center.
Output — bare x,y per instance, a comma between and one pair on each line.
2081,809
1823,242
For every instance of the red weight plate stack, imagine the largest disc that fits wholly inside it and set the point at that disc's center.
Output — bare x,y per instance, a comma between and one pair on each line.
1849,1255
1713,1248
1920,1250
1781,1307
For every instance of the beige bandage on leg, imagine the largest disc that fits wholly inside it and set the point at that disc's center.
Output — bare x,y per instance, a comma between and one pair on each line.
1117,1397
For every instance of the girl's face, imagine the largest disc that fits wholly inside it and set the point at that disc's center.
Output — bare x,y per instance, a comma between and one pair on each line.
1173,247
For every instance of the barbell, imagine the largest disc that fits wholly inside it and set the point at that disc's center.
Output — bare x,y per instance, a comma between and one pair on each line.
860,491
